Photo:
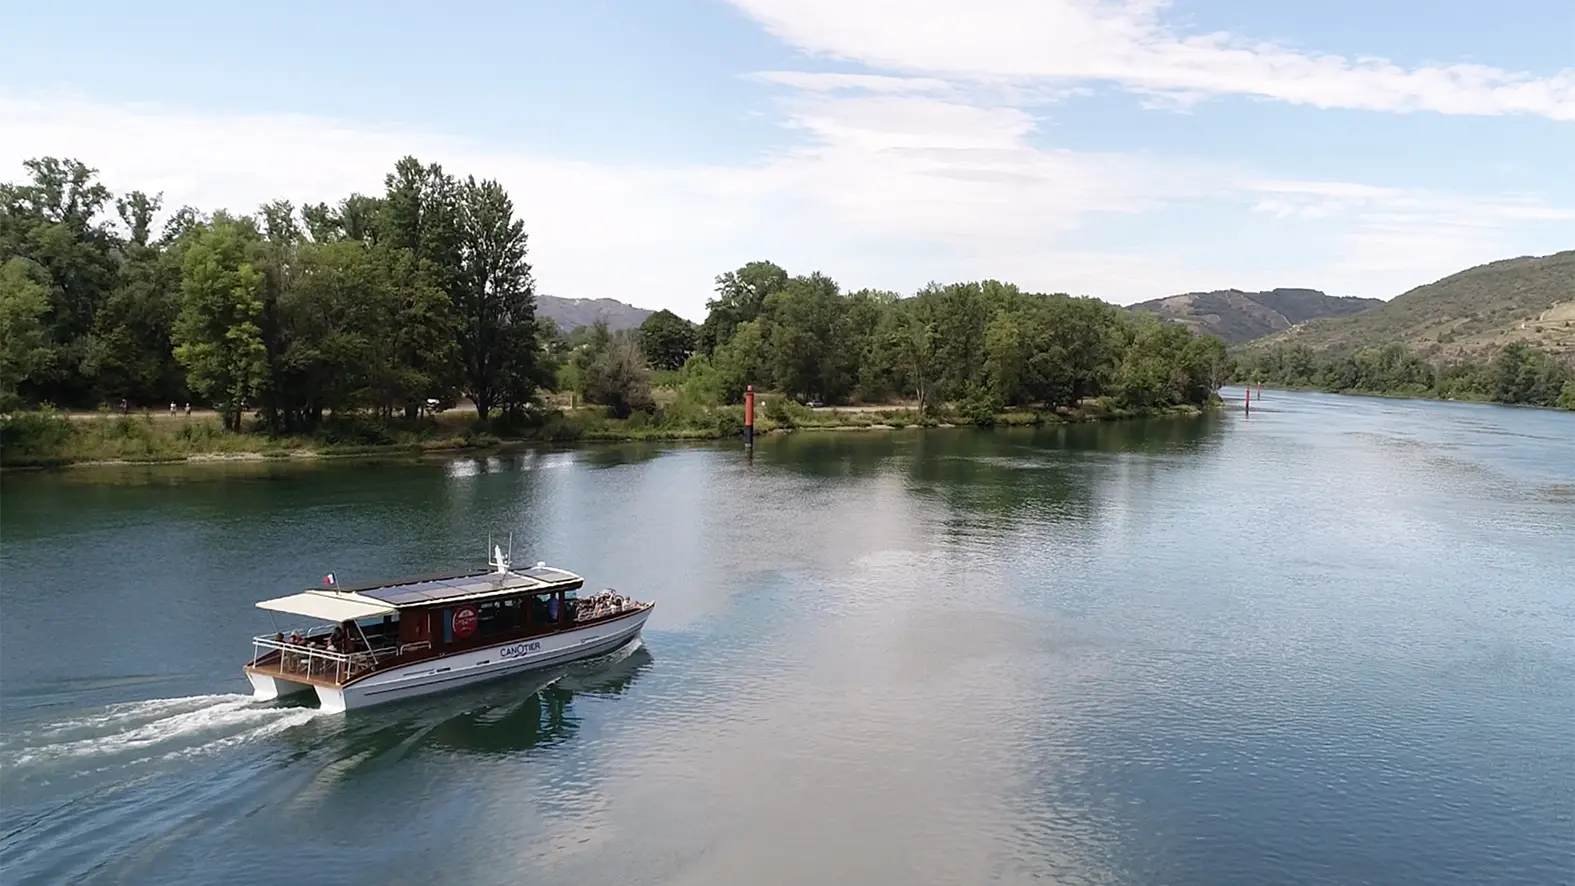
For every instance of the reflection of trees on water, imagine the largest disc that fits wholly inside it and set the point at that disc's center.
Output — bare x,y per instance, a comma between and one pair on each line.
1048,474
863,454
612,455
1042,473
834,454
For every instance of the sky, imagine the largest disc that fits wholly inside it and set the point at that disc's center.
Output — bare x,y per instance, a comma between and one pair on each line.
1125,149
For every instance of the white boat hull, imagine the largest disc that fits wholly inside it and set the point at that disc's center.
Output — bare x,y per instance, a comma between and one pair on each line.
472,666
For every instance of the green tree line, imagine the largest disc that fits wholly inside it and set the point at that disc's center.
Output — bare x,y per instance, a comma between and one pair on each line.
1520,374
378,304
981,346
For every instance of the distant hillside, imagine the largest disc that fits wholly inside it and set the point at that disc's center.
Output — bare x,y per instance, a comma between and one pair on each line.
572,313
1237,316
1472,313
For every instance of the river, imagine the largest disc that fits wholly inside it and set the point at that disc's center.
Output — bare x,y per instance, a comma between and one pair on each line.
1329,642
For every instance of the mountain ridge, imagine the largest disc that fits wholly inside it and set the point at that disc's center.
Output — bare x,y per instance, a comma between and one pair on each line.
572,313
1471,313
1238,316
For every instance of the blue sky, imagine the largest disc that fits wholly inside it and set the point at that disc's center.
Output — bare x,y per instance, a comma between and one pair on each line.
1126,149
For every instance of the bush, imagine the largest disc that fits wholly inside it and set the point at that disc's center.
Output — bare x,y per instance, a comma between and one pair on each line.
354,430
786,412
482,440
699,382
30,436
980,407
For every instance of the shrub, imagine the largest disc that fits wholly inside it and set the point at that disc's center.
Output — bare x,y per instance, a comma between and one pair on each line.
27,436
980,407
354,430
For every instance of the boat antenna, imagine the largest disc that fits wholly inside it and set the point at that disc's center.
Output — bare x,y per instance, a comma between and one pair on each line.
499,560
511,546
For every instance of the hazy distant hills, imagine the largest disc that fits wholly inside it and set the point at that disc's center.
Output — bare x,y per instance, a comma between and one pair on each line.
572,313
1472,313
1238,316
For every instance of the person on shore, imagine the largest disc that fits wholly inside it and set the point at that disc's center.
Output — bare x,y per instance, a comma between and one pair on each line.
172,407
188,409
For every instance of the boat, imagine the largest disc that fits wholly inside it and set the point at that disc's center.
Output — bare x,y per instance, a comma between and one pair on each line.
387,641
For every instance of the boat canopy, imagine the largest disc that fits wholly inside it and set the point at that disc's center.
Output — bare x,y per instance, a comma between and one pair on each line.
328,605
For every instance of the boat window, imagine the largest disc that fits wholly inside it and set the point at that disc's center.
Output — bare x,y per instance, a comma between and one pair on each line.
540,609
497,617
379,626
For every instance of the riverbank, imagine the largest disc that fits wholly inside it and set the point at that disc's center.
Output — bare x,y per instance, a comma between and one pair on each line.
1566,404
53,440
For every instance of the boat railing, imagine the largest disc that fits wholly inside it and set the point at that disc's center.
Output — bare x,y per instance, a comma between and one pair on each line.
301,659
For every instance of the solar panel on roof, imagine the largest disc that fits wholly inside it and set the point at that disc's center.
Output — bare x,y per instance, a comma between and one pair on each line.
467,585
545,573
402,597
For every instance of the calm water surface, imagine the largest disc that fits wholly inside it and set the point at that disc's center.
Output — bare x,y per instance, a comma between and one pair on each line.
1333,642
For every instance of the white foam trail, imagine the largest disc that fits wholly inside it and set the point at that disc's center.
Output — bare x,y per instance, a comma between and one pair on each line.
121,715
146,725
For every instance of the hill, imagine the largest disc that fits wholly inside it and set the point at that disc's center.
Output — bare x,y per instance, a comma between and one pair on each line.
1237,316
1470,314
572,313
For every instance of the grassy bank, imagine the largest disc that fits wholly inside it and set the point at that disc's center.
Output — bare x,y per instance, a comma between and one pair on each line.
49,439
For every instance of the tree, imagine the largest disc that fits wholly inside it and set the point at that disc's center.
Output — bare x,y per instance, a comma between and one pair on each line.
217,336
741,361
129,351
740,297
418,353
911,335
496,302
54,221
616,377
24,342
667,340
801,324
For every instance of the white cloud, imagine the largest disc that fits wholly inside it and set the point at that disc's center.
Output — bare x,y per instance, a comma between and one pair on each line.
1126,42
893,185
832,82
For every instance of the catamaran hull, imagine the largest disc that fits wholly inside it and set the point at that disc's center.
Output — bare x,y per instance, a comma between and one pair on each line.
267,688
477,665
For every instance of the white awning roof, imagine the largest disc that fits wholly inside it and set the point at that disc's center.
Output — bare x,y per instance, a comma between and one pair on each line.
328,605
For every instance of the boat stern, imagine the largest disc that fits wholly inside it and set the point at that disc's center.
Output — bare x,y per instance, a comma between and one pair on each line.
267,687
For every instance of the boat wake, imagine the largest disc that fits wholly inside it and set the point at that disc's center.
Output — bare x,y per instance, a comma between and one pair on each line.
164,728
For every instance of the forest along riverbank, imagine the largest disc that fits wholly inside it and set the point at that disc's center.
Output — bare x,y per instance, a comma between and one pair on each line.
48,439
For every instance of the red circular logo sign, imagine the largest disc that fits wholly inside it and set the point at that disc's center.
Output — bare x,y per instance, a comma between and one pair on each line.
464,621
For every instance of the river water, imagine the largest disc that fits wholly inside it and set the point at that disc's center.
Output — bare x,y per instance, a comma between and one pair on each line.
1329,642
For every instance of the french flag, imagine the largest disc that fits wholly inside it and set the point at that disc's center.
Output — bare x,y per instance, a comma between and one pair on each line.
328,579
